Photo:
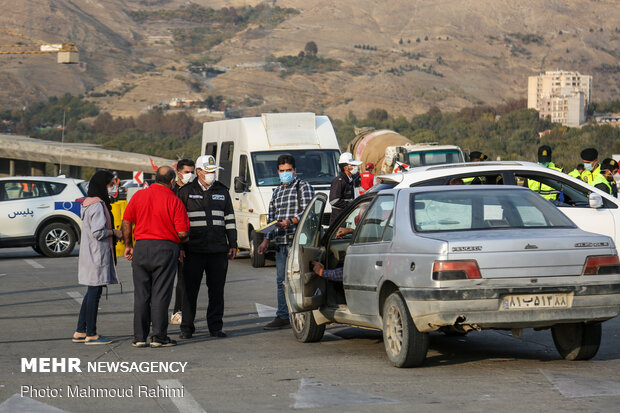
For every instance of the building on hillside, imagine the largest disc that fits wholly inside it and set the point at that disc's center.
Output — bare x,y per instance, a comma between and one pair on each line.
568,109
557,94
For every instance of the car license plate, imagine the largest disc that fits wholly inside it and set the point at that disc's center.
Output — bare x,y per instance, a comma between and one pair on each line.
534,301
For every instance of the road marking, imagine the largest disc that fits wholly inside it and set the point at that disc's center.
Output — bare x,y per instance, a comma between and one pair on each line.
315,393
265,311
34,263
2,275
76,296
17,403
187,403
572,385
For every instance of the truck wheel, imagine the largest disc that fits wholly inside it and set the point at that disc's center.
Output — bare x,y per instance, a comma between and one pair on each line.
577,341
258,260
404,344
56,240
305,327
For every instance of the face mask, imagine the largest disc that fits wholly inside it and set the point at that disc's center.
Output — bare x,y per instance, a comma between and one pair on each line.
113,190
209,178
286,177
588,166
354,170
187,178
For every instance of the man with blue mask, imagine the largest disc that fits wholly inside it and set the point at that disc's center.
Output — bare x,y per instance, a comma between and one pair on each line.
589,156
544,159
288,202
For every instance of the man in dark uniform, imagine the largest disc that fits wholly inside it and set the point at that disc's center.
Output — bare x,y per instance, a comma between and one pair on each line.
212,240
342,189
185,175
477,156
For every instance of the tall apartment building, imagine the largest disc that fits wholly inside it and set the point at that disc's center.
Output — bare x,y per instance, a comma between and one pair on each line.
560,94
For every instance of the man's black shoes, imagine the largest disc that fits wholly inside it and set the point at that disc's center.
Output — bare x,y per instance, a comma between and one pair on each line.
185,336
155,342
219,334
278,323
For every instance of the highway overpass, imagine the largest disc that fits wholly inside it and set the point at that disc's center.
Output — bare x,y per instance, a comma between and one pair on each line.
22,155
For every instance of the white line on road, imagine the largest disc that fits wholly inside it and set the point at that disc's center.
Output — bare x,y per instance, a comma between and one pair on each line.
2,275
581,385
187,403
76,296
34,263
265,311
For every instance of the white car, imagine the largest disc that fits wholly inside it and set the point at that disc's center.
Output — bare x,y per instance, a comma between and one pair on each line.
590,208
41,212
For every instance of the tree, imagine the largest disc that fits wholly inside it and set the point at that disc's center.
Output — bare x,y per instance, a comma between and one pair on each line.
311,48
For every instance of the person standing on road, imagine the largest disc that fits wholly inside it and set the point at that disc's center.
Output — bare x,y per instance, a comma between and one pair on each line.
589,156
342,189
605,180
161,224
288,202
367,177
212,240
544,159
185,175
96,267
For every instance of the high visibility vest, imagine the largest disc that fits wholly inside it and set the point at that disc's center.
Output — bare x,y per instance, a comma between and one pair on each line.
589,176
575,173
601,179
538,187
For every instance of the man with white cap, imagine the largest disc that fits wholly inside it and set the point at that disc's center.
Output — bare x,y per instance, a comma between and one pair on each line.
342,189
212,240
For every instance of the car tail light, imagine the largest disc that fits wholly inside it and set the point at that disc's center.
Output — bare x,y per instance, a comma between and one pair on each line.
455,270
601,265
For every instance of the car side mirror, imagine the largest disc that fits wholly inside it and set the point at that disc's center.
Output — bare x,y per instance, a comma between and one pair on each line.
241,185
596,201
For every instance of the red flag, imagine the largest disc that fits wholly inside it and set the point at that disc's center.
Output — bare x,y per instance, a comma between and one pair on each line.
153,164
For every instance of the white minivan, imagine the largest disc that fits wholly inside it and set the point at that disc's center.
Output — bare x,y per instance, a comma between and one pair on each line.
248,150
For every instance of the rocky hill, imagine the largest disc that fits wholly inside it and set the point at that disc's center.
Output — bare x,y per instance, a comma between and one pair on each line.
404,56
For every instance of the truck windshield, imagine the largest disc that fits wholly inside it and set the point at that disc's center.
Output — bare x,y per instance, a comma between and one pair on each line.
317,167
435,157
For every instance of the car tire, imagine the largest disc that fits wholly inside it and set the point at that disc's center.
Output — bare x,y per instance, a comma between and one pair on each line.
56,240
305,328
258,260
405,346
577,341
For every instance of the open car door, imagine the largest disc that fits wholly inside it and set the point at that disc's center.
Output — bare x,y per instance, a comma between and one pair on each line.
304,289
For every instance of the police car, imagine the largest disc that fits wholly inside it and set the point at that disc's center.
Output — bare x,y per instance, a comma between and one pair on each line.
42,213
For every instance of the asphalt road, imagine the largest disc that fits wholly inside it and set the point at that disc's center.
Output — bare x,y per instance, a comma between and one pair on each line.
269,371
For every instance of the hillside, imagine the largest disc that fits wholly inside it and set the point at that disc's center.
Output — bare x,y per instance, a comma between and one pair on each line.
404,56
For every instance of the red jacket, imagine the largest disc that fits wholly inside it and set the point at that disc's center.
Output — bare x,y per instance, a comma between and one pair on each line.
368,180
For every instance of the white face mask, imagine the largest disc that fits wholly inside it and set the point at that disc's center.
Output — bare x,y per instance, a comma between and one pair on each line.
113,190
354,170
187,178
209,178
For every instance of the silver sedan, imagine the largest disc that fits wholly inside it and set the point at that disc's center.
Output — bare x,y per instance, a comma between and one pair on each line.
454,259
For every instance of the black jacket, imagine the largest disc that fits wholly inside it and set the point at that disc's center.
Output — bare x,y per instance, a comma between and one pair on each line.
211,218
342,191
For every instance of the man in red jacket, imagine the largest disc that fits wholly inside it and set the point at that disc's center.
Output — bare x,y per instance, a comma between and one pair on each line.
368,178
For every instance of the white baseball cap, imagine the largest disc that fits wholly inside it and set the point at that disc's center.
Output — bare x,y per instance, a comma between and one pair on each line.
207,163
347,158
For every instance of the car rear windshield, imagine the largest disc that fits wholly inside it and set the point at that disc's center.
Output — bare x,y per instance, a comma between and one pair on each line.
483,209
435,157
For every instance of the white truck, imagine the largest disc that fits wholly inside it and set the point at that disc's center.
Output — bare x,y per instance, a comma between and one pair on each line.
248,150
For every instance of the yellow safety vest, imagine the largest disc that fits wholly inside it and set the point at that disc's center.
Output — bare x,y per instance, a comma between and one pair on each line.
588,176
538,187
575,173
601,179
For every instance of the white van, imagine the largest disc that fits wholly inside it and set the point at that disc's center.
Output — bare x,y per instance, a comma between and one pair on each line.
248,150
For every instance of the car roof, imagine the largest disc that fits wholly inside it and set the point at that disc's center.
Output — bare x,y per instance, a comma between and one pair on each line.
41,178
444,188
420,173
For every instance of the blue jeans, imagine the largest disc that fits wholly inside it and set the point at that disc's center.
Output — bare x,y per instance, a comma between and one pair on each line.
281,255
87,320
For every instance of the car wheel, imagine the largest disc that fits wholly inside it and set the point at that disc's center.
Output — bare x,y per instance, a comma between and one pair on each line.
258,260
404,344
577,341
305,327
56,240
